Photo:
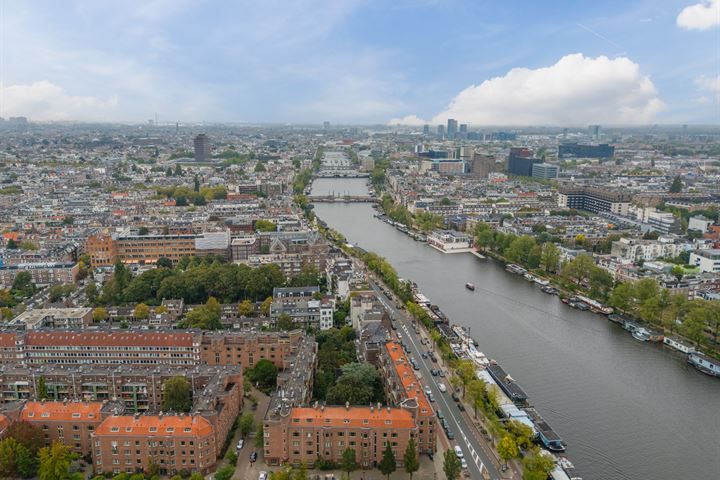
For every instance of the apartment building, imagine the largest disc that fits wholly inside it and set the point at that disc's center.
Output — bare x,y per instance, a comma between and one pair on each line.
42,273
307,434
137,388
594,199
403,389
173,442
77,318
146,347
130,248
312,313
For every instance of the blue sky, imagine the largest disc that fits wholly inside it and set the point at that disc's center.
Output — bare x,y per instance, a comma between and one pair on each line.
618,62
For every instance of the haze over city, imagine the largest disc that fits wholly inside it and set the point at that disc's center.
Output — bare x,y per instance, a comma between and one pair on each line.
366,62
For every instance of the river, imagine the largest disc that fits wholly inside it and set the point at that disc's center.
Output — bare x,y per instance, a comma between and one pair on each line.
627,410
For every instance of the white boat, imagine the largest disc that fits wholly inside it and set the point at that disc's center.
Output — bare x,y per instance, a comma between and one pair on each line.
678,345
641,334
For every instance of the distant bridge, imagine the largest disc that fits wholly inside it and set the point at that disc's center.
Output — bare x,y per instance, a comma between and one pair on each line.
341,174
342,199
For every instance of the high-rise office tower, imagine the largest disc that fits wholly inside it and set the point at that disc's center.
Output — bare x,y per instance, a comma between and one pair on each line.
326,125
452,127
441,130
426,130
202,148
594,131
463,128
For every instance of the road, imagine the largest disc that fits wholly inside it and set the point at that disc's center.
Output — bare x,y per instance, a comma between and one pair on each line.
476,457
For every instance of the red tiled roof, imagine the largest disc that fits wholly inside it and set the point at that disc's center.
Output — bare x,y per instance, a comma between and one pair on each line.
167,425
61,411
412,386
7,340
94,339
353,417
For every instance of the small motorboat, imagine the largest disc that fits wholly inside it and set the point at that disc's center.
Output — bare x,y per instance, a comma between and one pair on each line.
470,286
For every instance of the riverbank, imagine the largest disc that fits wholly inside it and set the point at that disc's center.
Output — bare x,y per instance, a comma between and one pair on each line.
595,384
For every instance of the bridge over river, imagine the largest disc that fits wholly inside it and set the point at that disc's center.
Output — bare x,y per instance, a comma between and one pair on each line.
342,199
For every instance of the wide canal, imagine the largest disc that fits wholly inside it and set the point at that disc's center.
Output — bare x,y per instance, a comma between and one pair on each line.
627,410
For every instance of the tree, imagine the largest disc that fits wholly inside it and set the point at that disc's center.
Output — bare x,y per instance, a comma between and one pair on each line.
476,390
676,185
622,296
11,244
265,306
42,392
143,231
259,167
388,464
466,373
54,462
260,436
263,375
263,225
348,463
28,434
246,309
225,473
537,466
410,459
23,284
284,322
141,312
451,465
177,395
357,384
164,262
99,314
16,460
91,292
693,325
507,448
246,424
678,272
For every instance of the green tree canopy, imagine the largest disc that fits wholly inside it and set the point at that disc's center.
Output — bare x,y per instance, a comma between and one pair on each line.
388,464
348,462
451,465
177,395
410,459
263,374
54,462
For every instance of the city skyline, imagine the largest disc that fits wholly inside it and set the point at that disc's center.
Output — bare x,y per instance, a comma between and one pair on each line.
363,62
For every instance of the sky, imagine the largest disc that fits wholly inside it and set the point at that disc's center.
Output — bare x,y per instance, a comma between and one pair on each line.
569,63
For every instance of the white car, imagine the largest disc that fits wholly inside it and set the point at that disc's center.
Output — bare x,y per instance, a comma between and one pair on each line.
263,475
442,387
463,463
458,452
240,444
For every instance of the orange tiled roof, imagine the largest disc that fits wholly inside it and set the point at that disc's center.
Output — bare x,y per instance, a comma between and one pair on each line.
7,340
110,339
61,411
411,384
353,417
11,235
167,425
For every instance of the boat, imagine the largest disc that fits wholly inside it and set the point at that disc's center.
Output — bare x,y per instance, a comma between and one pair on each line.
594,305
616,318
541,281
549,290
512,268
673,342
545,434
470,286
707,365
565,300
641,334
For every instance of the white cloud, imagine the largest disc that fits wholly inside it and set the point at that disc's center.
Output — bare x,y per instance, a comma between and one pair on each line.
711,84
409,120
700,16
45,101
575,90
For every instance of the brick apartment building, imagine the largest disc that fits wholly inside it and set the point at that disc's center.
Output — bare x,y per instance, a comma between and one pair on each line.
146,347
404,389
307,434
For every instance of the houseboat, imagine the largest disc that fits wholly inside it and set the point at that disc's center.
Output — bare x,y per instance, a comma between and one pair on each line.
594,305
545,434
470,286
517,269
673,342
705,364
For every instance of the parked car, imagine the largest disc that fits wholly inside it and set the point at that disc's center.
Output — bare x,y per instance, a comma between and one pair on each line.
440,415
450,434
423,355
442,387
253,457
455,397
434,372
441,374
458,451
263,475
240,444
461,407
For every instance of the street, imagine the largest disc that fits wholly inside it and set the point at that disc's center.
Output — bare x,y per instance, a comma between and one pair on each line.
477,459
